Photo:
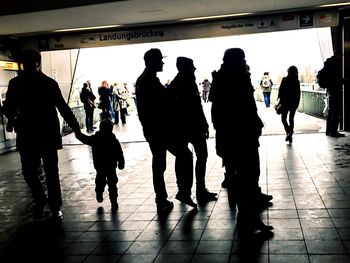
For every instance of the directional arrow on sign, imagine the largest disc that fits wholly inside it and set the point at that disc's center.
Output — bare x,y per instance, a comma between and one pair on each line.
305,19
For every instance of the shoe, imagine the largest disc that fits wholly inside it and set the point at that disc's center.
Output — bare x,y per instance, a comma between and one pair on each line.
260,226
204,196
336,134
164,207
186,200
289,137
99,197
264,198
57,215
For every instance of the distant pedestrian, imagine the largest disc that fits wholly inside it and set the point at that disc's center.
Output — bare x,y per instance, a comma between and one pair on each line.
121,103
206,88
331,79
104,104
289,97
107,155
87,97
266,86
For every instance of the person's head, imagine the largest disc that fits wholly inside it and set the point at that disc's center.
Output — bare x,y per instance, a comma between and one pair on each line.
154,59
106,126
184,64
292,71
85,85
266,73
105,83
31,60
234,56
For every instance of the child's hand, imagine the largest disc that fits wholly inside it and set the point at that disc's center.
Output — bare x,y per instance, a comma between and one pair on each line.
121,166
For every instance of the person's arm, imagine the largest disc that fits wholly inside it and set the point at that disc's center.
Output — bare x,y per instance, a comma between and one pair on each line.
63,107
84,138
121,160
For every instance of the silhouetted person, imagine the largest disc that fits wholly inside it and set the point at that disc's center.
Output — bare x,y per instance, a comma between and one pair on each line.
154,114
121,103
87,97
107,155
238,128
32,101
289,97
206,88
266,85
331,79
105,103
191,122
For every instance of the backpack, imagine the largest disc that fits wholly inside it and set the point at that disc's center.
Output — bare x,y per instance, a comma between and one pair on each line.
266,83
322,78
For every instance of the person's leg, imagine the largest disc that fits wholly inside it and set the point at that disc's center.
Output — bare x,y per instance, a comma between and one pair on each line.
248,190
268,95
50,163
158,168
100,184
200,147
265,99
123,113
291,120
31,161
116,117
112,181
87,122
285,123
183,171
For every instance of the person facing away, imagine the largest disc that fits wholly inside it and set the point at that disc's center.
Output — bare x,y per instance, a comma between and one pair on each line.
266,85
206,88
87,97
32,101
331,78
154,115
192,124
289,97
238,128
107,155
104,104
121,103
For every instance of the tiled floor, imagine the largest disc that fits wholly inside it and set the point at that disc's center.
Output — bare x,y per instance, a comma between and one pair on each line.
310,182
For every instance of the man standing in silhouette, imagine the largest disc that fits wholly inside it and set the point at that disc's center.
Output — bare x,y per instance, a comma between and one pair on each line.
155,116
330,78
32,101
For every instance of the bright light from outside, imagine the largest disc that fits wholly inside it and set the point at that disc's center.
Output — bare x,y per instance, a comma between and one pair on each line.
273,52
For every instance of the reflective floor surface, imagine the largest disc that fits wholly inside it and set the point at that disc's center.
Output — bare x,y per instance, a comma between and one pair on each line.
309,180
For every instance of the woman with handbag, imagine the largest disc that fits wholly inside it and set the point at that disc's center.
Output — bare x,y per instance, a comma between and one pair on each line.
289,97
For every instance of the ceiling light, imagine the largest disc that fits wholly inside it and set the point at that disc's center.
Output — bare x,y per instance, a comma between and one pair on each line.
336,4
211,17
85,28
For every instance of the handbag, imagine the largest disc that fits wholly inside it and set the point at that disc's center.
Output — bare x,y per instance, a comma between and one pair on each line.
278,108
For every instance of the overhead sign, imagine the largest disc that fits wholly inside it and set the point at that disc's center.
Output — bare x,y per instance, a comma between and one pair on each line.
8,65
249,25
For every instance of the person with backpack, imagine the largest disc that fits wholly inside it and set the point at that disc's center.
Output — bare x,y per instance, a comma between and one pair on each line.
330,78
266,85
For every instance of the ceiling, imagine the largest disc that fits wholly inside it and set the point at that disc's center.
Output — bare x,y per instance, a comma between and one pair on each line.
47,16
